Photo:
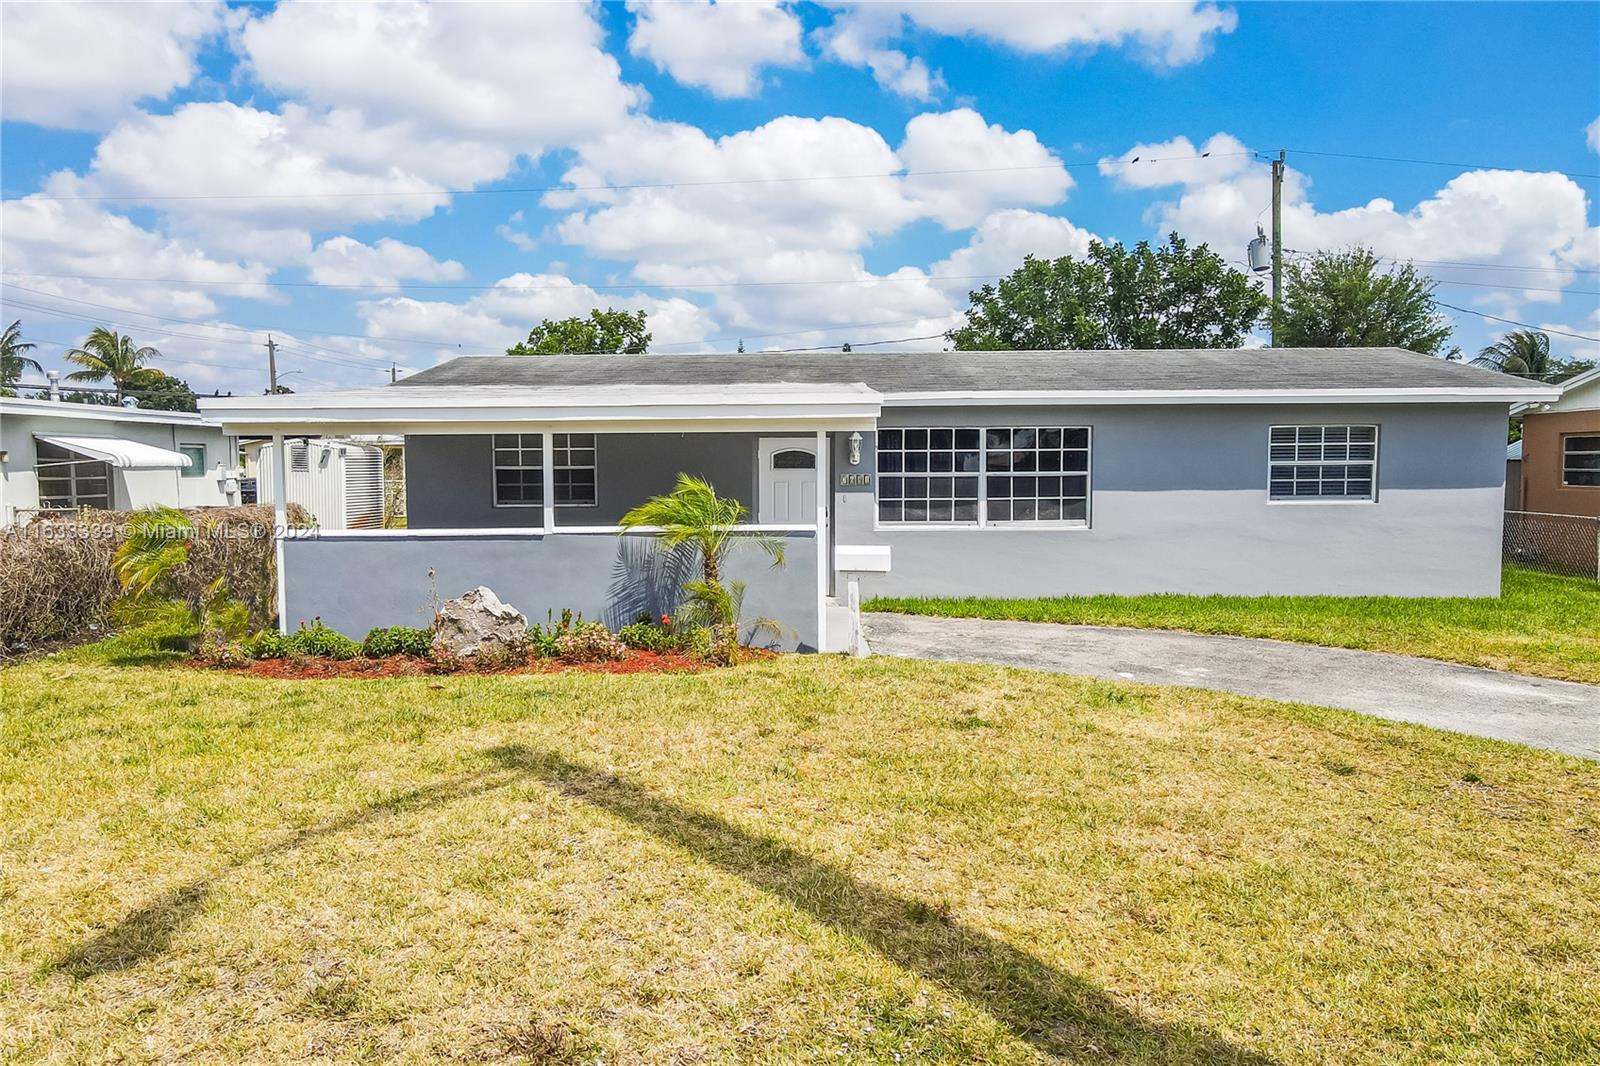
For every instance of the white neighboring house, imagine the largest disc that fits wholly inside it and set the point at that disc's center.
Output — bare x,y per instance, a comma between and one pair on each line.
339,481
58,456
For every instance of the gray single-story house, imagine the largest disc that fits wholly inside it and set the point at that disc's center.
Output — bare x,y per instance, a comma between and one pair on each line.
1255,471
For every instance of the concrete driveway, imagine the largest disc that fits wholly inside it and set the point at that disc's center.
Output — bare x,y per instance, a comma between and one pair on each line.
1559,715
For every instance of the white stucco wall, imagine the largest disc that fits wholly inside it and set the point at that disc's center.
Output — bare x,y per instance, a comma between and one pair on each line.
22,421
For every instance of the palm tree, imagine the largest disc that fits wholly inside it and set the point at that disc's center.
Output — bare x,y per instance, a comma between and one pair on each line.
12,359
1524,352
108,354
693,514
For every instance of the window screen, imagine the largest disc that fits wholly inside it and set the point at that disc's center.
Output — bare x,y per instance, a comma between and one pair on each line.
1580,461
1322,462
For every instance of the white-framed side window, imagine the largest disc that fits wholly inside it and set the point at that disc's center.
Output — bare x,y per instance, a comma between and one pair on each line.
197,460
1580,460
519,469
68,481
984,476
1308,463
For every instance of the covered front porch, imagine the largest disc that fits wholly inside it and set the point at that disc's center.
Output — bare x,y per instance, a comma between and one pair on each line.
523,492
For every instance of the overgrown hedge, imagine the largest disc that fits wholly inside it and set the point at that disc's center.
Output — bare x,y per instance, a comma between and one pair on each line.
56,574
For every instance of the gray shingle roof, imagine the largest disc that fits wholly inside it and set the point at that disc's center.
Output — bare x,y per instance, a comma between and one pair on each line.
911,372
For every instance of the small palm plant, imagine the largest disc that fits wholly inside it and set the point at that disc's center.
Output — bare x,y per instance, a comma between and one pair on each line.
157,542
693,515
109,354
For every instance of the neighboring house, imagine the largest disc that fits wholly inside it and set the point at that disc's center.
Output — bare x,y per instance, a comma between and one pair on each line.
1560,467
1340,471
339,482
57,456
1514,476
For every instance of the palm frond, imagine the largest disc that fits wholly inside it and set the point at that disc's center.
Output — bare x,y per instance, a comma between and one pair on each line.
157,541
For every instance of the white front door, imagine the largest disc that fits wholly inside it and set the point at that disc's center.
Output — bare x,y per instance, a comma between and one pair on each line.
788,493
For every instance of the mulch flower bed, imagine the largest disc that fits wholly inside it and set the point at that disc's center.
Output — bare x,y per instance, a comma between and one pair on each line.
312,667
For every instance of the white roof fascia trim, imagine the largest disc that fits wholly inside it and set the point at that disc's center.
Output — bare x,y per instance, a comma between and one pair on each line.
1111,397
122,454
101,412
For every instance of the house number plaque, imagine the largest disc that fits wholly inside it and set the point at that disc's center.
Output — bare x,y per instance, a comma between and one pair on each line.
855,479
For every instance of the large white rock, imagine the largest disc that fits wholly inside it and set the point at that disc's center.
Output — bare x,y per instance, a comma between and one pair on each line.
477,620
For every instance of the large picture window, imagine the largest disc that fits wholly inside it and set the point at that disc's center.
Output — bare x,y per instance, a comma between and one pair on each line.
1322,462
1580,461
996,476
519,469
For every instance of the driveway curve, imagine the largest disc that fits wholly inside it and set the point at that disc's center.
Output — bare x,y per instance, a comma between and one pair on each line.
1562,716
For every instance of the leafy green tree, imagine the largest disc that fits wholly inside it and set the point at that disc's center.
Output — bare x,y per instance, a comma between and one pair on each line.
14,358
607,332
1346,300
1526,353
167,393
693,514
1173,296
107,354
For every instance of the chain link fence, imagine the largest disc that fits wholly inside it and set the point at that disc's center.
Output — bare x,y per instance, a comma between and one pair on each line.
1559,543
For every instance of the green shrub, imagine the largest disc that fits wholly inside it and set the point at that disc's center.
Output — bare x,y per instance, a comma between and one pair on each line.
648,636
589,642
545,640
318,639
267,644
385,641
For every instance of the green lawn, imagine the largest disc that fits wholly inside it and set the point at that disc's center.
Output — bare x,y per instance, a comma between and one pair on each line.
1542,624
806,859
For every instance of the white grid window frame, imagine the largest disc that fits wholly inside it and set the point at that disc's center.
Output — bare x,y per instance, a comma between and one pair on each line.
67,481
983,477
1580,461
1322,463
518,469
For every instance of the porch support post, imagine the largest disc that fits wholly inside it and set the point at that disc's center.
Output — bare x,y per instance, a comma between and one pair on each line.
280,522
823,481
549,478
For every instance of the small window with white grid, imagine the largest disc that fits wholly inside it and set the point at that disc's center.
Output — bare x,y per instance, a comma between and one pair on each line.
1322,462
1037,474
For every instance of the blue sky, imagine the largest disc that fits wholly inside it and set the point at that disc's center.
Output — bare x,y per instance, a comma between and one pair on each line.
221,172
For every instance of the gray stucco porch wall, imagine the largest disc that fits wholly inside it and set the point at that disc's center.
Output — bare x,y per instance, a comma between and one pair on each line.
450,477
356,583
1179,504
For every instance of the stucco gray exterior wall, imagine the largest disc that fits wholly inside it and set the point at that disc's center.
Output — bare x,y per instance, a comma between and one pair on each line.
450,478
356,583
1179,503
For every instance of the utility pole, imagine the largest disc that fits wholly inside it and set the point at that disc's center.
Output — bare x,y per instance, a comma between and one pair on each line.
272,366
394,373
1277,242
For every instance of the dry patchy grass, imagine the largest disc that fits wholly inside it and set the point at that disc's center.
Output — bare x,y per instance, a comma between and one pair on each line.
1542,624
805,859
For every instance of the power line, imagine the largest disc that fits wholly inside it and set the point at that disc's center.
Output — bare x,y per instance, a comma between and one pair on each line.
1514,322
637,186
1438,163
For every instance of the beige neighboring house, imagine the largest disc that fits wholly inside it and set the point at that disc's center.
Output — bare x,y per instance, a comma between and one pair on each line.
58,456
1560,457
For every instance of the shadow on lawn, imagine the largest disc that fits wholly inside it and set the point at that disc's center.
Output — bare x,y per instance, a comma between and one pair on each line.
1055,1011
148,931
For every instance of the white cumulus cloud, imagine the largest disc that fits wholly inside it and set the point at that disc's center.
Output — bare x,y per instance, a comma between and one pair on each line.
82,65
720,47
383,264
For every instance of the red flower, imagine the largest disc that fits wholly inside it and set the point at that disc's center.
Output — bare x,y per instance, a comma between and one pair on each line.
666,619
